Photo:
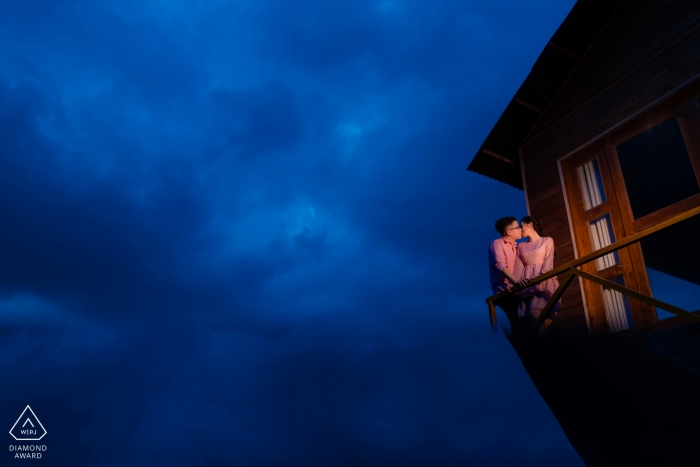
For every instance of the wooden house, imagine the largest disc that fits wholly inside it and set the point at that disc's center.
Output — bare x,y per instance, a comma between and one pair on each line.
603,137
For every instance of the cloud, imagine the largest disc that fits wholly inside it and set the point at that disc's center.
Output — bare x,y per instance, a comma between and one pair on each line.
257,121
242,233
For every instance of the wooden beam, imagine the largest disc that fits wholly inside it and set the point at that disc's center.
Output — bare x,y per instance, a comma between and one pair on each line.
552,302
667,212
564,51
634,294
528,105
498,156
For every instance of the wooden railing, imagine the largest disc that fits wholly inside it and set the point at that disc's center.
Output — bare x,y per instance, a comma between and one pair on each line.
571,270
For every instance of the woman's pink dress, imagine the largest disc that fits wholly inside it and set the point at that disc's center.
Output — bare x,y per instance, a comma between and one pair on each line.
535,258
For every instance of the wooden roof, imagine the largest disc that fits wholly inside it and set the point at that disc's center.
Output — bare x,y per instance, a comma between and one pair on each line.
498,156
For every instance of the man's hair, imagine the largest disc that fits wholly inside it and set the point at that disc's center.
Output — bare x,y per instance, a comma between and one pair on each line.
504,222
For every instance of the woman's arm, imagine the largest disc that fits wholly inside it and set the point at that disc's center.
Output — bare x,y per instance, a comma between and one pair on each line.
548,256
519,267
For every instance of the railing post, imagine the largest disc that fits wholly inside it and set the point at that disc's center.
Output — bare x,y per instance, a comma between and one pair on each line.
492,316
552,302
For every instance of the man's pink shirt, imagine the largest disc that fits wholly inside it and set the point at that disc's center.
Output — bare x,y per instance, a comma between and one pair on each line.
502,253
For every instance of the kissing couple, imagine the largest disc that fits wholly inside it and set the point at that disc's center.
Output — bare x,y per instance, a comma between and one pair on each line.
520,254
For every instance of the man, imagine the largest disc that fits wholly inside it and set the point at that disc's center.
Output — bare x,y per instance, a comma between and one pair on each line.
502,253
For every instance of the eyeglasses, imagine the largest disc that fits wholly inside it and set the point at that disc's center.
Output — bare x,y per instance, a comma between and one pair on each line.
514,228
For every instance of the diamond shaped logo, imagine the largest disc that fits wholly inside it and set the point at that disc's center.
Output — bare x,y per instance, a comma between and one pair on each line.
28,427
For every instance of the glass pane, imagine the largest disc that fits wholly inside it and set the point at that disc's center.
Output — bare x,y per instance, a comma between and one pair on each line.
591,184
657,169
602,235
671,256
673,290
617,307
675,251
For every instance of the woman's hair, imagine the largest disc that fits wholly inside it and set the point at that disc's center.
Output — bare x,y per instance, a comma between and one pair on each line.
535,224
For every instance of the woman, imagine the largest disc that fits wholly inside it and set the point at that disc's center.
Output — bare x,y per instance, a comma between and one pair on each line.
535,257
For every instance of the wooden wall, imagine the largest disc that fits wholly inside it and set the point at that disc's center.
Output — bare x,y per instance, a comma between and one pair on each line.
646,51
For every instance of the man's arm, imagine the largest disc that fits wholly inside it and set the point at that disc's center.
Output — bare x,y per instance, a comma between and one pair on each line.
509,275
498,257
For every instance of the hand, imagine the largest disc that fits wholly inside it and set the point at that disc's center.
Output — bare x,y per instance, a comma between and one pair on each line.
523,283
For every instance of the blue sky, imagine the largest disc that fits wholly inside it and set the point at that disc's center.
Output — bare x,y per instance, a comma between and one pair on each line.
242,233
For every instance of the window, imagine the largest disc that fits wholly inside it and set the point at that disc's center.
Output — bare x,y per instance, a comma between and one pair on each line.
657,169
617,307
591,184
602,235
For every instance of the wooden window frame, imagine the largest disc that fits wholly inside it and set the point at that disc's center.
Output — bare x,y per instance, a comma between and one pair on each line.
691,136
579,219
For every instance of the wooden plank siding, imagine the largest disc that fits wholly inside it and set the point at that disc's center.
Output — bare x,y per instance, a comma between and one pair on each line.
631,95
636,32
646,51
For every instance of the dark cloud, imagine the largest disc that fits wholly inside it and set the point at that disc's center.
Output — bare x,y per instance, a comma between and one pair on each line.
241,233
257,122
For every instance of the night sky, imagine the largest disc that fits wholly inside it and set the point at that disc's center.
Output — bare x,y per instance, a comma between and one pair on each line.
242,233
